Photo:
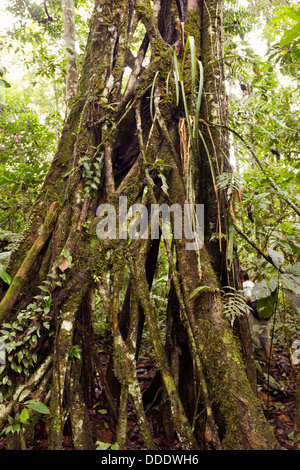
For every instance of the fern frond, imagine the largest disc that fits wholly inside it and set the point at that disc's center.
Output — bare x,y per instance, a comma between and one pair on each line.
234,304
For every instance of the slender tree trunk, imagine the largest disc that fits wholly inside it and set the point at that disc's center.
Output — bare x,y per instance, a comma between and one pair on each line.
141,140
70,50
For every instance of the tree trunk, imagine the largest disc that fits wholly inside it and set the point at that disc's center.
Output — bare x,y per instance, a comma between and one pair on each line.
147,140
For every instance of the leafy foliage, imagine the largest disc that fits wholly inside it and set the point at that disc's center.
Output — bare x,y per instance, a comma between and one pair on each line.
26,148
264,111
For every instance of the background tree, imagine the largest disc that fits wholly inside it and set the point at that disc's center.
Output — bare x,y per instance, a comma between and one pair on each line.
70,47
33,70
264,114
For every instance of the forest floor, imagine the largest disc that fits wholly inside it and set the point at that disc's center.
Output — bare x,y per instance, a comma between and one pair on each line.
277,395
279,403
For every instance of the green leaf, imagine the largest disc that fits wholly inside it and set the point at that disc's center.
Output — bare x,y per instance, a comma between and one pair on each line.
24,416
176,75
5,255
96,404
102,445
294,269
198,105
4,275
152,96
37,406
44,288
4,83
276,257
193,60
290,13
52,275
290,35
294,300
165,186
198,289
291,282
265,306
8,429
115,447
264,289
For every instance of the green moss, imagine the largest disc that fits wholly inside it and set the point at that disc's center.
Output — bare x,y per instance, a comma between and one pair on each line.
193,27
145,10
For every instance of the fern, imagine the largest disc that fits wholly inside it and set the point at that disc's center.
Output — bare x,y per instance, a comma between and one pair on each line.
231,182
234,304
